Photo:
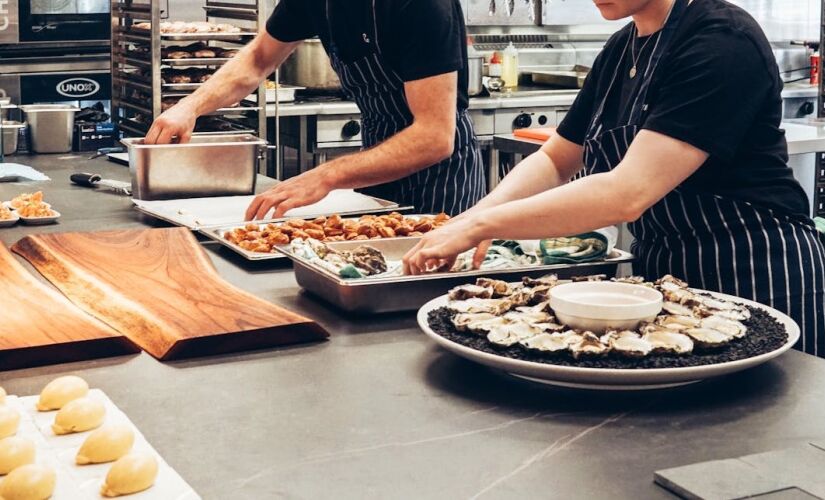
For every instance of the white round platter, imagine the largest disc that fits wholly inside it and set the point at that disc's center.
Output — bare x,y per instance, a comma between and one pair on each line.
610,378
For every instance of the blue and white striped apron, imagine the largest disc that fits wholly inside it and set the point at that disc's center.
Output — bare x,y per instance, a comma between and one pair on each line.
714,242
452,186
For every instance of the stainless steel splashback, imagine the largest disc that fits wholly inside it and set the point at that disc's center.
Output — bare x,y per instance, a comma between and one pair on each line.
785,19
782,20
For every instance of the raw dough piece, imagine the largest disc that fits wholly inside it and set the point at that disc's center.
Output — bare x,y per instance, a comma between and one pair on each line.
80,415
130,474
29,482
106,444
178,54
9,421
15,452
60,391
205,54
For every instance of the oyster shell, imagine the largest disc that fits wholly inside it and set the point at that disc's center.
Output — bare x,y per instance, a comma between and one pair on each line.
550,280
465,292
729,327
546,342
678,323
527,315
512,333
707,338
632,280
463,321
594,277
476,305
677,309
627,343
668,341
670,282
679,295
499,288
588,344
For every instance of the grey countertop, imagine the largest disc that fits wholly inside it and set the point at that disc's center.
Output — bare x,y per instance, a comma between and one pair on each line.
378,411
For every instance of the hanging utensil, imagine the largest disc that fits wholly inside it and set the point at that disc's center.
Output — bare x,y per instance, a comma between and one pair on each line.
511,7
492,8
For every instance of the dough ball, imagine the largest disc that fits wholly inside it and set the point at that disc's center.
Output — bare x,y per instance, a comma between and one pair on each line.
15,452
130,474
29,482
106,444
9,421
60,391
80,415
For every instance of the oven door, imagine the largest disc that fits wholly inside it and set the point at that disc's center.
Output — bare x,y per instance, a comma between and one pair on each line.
64,20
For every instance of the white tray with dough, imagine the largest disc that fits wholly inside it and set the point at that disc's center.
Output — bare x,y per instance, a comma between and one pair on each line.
82,482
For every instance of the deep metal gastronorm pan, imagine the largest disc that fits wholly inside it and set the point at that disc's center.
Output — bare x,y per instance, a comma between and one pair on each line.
405,293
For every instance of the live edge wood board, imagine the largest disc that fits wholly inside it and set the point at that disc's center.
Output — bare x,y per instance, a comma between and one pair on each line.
39,326
159,288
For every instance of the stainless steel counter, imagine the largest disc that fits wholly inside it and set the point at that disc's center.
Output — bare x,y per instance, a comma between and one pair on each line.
558,98
379,412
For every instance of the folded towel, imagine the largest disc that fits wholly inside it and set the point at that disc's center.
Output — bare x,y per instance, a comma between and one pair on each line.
820,224
585,247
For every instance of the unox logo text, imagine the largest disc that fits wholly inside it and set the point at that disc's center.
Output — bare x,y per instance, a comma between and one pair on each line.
77,87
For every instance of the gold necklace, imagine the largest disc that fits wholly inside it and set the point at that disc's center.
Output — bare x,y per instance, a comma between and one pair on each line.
634,60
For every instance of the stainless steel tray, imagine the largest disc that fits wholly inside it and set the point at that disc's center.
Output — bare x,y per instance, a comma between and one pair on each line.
196,61
572,78
405,293
216,232
204,36
205,166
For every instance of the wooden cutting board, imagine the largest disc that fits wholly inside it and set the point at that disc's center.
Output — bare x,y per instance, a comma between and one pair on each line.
159,288
39,326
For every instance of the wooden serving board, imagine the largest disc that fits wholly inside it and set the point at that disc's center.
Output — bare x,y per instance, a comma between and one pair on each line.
38,326
159,288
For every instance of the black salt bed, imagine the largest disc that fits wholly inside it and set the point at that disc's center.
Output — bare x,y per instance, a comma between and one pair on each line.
765,334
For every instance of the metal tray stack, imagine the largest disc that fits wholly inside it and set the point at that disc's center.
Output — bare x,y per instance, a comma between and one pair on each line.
405,293
138,90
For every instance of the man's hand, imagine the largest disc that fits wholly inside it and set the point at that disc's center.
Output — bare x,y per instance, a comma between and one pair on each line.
305,189
177,122
439,249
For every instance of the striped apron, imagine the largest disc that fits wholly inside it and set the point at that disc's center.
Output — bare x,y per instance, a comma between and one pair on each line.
452,186
714,242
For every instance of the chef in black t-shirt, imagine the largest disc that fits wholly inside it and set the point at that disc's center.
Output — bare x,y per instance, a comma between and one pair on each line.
676,132
404,62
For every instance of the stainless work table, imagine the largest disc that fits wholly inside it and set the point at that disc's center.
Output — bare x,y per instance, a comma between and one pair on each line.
379,412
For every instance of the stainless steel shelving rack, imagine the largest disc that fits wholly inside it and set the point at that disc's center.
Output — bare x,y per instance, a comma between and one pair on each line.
137,64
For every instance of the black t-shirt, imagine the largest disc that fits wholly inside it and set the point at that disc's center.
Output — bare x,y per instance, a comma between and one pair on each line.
716,88
418,38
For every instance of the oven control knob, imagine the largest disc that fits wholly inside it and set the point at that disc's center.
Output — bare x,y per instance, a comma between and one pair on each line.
523,121
351,129
807,109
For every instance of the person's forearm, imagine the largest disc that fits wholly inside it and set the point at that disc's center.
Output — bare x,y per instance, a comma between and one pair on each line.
590,203
232,82
417,147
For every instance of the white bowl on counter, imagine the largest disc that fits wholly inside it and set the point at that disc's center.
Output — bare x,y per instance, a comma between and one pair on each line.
599,306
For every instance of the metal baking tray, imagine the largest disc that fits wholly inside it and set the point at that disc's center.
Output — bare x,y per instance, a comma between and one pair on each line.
572,78
181,86
216,232
229,37
196,61
405,293
206,166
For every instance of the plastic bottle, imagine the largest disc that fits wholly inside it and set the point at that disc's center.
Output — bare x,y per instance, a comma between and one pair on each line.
509,70
495,82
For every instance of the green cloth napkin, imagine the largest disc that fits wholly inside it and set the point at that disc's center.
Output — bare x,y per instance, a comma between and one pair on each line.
585,247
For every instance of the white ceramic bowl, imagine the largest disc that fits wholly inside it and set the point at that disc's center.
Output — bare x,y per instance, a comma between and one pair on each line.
597,306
